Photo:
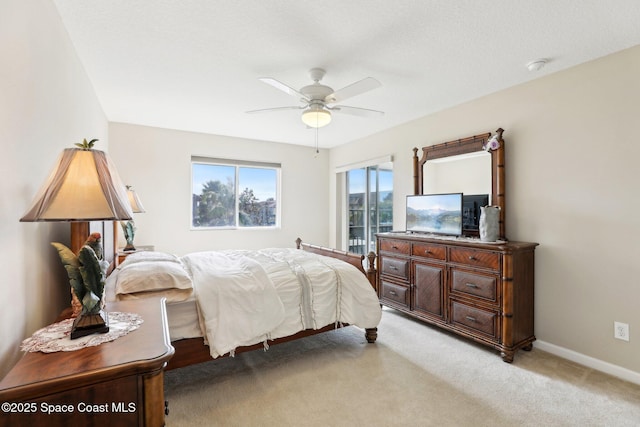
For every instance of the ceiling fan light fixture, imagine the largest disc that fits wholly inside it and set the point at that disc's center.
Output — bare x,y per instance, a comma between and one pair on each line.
316,117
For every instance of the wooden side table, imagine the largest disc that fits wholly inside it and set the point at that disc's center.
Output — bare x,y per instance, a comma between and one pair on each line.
115,383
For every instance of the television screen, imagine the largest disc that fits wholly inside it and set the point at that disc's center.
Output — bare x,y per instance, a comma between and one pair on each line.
435,213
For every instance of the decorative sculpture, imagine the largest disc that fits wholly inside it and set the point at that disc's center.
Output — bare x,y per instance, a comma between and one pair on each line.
87,273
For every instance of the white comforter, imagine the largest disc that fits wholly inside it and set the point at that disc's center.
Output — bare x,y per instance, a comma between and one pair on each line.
246,297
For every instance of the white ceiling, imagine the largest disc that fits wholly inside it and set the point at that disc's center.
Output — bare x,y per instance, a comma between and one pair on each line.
194,64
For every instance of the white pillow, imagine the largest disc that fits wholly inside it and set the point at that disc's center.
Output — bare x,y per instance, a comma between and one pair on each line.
145,276
150,256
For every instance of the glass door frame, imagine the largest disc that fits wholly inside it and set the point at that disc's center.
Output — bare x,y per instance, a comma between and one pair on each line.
370,197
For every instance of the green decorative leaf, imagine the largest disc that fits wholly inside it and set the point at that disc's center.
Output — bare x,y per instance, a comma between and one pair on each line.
86,145
91,271
66,255
75,280
72,266
90,303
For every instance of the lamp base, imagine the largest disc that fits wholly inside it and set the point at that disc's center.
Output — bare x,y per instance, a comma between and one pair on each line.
129,248
88,324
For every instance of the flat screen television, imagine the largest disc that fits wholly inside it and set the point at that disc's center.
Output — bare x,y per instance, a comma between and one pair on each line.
435,213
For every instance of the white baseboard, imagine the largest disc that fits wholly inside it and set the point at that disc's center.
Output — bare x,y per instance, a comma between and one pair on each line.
590,362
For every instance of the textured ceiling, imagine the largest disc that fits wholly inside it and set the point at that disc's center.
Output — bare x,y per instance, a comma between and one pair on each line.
194,65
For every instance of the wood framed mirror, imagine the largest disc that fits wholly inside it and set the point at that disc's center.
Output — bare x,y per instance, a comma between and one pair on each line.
482,170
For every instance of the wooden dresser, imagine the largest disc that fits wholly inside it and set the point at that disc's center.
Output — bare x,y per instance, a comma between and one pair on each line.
118,383
483,291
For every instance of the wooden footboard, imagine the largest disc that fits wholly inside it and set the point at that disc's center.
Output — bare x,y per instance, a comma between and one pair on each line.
193,350
349,257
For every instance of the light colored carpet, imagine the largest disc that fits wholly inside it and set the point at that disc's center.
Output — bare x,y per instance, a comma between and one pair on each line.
415,375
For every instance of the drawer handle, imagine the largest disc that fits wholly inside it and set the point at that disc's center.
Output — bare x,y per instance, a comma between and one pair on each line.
471,319
472,285
393,293
472,258
393,267
394,247
427,251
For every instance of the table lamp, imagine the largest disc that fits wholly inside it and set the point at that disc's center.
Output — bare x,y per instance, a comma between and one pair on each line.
84,186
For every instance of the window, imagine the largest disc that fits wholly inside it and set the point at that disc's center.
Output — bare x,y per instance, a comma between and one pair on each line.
370,202
234,194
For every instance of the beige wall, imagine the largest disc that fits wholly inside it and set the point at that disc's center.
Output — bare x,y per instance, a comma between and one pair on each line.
572,181
46,104
157,162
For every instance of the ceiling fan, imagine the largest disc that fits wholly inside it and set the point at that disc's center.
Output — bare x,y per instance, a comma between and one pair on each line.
319,100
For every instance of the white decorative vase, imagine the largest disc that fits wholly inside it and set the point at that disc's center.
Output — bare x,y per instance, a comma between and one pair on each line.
489,223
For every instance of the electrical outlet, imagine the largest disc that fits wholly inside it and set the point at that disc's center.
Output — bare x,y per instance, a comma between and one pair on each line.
621,331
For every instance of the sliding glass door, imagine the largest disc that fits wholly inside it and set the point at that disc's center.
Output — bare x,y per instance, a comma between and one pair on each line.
370,205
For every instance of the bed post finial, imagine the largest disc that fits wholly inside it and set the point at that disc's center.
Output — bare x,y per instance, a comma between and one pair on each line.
298,243
416,186
371,270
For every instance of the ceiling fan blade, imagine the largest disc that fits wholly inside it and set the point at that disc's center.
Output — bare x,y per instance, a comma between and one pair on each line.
356,111
353,89
283,87
266,110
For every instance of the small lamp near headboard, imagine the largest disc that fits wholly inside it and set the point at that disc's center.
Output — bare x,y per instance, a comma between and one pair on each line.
84,186
129,227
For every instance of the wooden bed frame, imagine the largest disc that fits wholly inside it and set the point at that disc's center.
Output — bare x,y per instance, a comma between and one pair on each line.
190,351
193,350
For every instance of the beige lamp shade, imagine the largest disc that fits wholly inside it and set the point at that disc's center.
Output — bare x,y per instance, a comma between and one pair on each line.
134,200
84,186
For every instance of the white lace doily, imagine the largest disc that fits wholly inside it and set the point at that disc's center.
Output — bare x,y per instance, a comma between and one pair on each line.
55,337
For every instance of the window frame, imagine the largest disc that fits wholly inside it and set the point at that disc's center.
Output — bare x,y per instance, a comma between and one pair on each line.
237,165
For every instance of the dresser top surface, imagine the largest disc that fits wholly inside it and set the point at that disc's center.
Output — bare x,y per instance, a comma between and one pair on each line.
457,241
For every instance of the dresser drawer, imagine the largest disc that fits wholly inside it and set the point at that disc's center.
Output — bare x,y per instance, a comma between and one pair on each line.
475,258
395,246
429,251
480,320
395,267
395,293
477,285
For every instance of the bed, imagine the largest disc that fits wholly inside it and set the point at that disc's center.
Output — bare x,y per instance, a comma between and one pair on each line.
221,303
